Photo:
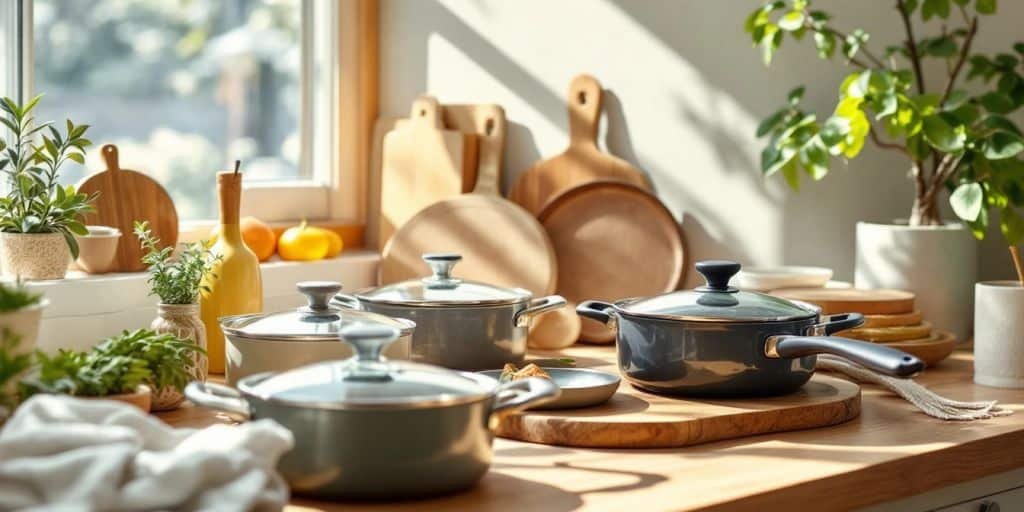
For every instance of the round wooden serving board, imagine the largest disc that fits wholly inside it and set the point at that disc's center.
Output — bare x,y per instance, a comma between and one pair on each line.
126,196
897,320
634,419
853,300
931,350
886,334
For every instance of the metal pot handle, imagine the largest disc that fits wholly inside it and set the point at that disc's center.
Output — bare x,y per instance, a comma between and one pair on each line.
538,307
520,394
220,397
873,356
596,310
345,301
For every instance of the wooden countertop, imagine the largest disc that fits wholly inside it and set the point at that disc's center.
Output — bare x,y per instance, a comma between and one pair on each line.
891,451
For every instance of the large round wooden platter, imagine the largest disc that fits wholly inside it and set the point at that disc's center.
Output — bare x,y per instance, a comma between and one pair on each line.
613,241
897,320
635,419
853,300
886,334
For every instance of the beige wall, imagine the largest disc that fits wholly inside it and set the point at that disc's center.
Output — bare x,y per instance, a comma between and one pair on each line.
684,92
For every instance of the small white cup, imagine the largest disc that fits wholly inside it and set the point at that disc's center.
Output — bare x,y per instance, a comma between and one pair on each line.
999,334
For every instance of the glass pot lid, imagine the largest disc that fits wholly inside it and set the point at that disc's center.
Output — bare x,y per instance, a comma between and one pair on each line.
317,321
716,301
443,289
368,380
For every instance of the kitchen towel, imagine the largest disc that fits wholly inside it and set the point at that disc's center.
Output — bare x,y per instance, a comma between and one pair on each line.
929,402
64,453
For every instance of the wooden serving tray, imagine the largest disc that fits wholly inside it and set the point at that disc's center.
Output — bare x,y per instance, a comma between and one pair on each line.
636,419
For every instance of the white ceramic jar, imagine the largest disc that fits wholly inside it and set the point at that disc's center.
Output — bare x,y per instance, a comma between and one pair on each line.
999,334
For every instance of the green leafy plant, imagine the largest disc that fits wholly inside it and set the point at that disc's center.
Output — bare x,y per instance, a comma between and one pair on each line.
12,366
16,296
117,365
175,281
954,139
37,203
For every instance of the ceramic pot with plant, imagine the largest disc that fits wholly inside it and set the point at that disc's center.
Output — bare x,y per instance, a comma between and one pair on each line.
125,367
177,283
97,250
21,312
39,217
14,361
951,137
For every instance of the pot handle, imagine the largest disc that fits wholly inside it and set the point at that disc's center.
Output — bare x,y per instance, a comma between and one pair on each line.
345,301
517,395
219,397
538,307
595,310
873,356
832,324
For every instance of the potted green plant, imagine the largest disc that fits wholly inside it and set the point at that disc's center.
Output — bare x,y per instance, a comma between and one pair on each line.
21,311
952,138
177,282
125,367
13,363
39,217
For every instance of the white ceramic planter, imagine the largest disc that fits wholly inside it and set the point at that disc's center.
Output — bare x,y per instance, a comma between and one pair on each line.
937,263
34,255
999,334
24,323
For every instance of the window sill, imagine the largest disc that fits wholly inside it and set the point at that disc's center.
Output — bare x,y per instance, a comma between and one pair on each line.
85,309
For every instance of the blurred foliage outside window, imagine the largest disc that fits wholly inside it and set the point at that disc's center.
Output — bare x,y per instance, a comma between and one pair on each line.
183,87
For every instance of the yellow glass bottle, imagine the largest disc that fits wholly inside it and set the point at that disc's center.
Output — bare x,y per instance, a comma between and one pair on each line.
235,285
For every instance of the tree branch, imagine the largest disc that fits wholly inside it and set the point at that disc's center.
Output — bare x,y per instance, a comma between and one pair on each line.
863,49
883,144
915,58
964,50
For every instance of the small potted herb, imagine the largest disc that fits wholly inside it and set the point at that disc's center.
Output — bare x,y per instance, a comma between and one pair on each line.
38,216
13,363
177,282
125,367
21,310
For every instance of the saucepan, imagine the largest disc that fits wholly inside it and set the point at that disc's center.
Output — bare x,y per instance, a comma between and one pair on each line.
719,341
366,427
460,324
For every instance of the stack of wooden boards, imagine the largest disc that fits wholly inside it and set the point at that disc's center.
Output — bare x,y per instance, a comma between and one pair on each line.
889,318
583,224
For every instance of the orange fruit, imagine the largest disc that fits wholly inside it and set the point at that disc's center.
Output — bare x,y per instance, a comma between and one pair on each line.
303,243
336,243
257,236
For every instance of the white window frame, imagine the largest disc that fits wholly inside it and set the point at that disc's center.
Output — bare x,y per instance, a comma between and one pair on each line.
334,78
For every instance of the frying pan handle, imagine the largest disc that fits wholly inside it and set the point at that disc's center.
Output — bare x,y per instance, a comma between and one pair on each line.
521,394
596,310
345,301
219,397
879,358
584,110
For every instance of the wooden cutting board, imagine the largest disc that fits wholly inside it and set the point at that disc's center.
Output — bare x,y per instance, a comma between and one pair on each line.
931,350
487,121
880,334
422,163
613,240
124,197
897,320
853,300
582,162
634,419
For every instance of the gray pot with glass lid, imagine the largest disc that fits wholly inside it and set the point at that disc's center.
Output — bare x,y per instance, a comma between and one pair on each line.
264,342
460,324
717,340
370,428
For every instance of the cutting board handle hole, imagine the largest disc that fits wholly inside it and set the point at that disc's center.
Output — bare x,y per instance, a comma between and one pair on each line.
581,97
489,126
423,112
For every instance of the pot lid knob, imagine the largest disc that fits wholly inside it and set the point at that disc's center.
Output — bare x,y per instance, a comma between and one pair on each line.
318,294
717,274
441,265
368,342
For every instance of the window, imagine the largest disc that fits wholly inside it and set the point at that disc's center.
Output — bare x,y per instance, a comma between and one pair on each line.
185,87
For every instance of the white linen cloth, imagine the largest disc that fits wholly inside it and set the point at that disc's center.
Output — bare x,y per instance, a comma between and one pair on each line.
926,400
64,453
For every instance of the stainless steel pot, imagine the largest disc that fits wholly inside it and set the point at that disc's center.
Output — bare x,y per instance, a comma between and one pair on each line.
275,342
717,340
463,325
369,428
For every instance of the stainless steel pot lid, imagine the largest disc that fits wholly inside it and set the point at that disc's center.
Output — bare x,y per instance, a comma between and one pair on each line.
716,301
367,380
441,289
317,321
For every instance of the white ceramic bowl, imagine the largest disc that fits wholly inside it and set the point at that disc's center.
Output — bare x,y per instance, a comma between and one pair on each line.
774,278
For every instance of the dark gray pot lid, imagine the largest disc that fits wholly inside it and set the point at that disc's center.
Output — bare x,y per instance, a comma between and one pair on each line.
317,321
441,289
716,301
367,380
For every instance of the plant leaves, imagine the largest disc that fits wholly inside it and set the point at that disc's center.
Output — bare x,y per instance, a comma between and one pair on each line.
931,8
1002,145
825,42
794,96
997,102
985,6
967,201
1011,225
769,123
942,136
792,20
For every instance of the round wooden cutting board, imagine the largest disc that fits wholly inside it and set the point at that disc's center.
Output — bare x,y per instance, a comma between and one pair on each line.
126,196
853,300
634,419
882,334
931,350
613,241
501,244
897,320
